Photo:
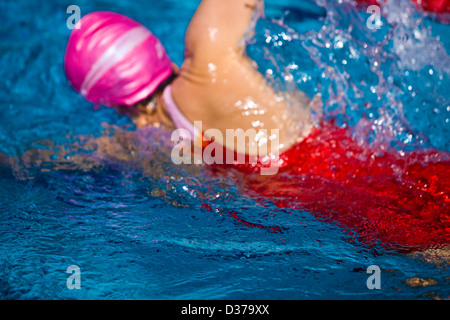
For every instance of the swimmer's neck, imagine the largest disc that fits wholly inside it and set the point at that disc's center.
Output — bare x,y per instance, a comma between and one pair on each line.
159,117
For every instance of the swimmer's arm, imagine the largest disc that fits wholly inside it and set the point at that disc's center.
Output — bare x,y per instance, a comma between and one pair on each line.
87,153
219,26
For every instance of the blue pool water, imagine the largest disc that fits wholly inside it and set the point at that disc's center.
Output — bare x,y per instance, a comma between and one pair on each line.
137,226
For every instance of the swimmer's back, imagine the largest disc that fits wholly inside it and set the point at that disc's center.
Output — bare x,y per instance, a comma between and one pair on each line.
218,84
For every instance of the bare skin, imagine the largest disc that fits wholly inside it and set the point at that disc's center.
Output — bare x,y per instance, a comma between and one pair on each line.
219,85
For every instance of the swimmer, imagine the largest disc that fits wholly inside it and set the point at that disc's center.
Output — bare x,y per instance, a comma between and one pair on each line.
115,61
218,85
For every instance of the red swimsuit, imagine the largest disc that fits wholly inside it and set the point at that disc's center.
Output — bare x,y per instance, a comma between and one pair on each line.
436,6
400,202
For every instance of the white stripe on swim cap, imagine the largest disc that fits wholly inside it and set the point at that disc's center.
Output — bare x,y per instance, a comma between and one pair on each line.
116,52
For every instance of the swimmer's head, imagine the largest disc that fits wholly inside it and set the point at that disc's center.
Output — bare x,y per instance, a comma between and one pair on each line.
114,60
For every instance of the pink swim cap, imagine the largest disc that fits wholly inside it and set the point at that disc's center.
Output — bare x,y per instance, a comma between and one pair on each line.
114,60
